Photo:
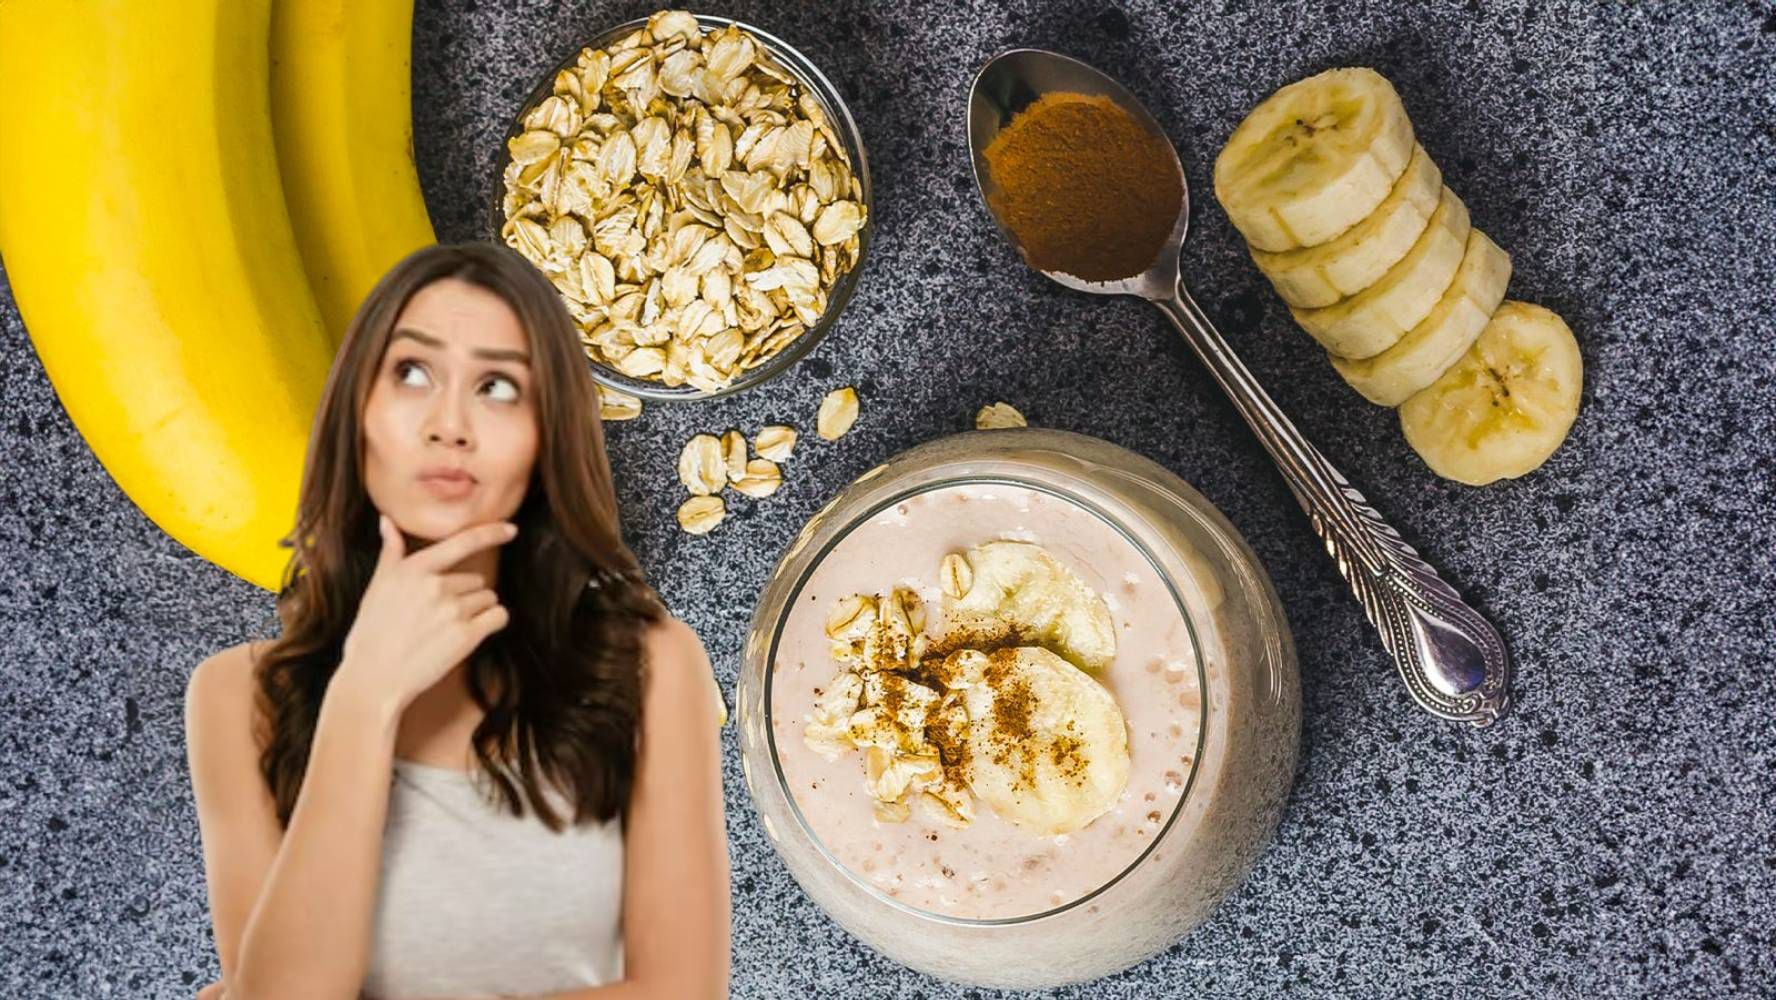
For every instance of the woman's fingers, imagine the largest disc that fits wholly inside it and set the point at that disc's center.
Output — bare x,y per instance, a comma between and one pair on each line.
461,583
472,603
443,554
394,548
490,620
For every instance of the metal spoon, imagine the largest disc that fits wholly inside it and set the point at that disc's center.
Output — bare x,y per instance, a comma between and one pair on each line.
1451,658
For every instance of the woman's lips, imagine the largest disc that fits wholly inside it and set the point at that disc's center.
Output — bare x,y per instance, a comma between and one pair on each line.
447,487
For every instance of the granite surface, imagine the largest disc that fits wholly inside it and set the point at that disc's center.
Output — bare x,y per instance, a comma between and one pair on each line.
1614,836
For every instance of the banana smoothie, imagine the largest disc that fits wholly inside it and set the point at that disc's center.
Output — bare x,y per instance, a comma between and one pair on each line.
986,701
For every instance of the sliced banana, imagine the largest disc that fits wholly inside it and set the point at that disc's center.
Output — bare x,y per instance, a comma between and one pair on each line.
1314,159
1021,583
1048,747
1444,336
1506,405
1311,277
1377,317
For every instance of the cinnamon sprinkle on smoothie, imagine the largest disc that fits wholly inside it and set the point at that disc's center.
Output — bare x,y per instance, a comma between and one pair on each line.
999,768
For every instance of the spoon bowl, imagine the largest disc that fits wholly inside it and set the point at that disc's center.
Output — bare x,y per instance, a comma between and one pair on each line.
1011,82
1452,660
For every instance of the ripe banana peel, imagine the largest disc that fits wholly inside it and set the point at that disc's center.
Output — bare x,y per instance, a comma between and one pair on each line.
146,237
341,110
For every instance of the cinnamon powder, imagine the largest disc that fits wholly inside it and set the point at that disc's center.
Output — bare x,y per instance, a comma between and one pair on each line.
1009,731
1083,187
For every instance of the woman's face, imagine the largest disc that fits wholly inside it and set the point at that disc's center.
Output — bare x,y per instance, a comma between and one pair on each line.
452,395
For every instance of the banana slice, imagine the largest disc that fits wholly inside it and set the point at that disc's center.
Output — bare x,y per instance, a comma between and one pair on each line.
1314,159
1021,583
1047,744
1502,409
1375,318
1435,344
1311,277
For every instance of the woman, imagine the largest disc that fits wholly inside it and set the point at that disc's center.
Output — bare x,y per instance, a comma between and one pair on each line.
481,758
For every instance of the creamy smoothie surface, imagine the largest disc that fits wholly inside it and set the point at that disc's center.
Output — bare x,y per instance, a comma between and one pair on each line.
985,701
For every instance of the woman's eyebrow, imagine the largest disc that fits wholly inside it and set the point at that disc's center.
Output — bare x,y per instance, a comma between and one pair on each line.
489,353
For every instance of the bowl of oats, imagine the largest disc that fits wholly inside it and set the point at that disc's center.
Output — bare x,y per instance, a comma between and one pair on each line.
698,192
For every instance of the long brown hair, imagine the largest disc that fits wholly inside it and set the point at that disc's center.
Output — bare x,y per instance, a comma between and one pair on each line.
560,683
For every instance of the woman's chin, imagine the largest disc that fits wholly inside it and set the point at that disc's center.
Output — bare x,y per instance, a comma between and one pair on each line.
429,522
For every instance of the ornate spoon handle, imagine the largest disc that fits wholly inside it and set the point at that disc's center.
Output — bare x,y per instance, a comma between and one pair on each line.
1451,658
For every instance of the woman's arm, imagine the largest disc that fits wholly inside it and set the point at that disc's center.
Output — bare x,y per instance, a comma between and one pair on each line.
676,909
292,908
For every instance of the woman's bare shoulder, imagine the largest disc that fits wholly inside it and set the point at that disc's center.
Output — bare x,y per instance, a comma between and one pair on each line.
669,631
222,684
672,640
681,674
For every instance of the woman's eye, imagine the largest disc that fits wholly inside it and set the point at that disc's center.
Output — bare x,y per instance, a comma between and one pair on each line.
402,368
509,384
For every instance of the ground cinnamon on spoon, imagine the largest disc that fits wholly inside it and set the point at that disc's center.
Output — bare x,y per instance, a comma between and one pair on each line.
1083,187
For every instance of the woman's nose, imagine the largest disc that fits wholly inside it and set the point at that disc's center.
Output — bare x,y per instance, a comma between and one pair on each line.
446,421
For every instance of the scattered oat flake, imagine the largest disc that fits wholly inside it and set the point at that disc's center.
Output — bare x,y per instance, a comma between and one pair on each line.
699,514
701,466
615,405
838,411
761,478
734,454
775,442
998,415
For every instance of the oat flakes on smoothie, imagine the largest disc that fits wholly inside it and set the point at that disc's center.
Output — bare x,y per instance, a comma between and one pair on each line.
990,709
960,856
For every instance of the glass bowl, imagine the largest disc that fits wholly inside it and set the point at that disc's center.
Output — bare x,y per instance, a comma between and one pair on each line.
1248,707
836,113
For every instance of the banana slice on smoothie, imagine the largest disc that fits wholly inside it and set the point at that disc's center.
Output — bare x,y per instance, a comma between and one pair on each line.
1021,583
1506,405
1377,317
1314,159
1426,352
1311,277
1047,744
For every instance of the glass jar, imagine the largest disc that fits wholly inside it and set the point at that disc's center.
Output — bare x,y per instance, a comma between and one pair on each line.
1248,722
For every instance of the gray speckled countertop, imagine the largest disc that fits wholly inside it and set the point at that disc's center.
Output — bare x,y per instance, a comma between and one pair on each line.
1615,836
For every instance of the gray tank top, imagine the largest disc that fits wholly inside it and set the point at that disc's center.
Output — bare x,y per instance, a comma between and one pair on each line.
474,901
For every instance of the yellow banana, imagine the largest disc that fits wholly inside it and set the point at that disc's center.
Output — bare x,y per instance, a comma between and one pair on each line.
342,113
1505,405
1022,583
1314,159
1379,316
1316,276
145,234
1072,765
1428,349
